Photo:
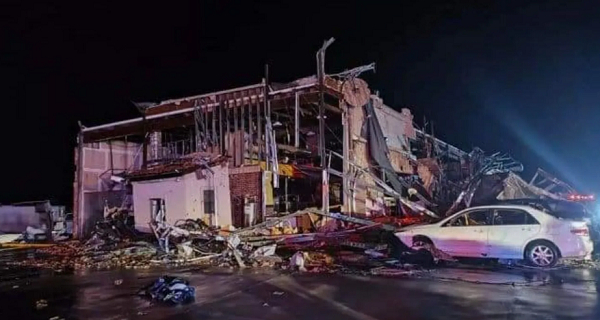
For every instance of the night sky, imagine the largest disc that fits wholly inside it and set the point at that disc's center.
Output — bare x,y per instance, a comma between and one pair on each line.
523,79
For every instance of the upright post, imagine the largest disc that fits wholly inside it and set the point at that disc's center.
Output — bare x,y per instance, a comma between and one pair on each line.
267,116
297,120
259,114
78,216
145,142
321,78
346,156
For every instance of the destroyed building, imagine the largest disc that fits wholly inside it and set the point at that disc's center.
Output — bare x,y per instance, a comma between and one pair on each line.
239,156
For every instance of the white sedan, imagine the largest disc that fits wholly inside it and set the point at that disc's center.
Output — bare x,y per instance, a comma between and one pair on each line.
504,232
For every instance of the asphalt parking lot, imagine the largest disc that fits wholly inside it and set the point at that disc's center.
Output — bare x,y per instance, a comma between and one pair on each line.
445,293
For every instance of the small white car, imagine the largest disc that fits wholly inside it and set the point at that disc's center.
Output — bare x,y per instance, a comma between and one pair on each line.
504,232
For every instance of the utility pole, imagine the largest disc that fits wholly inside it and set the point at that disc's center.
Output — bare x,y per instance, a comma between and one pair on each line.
322,152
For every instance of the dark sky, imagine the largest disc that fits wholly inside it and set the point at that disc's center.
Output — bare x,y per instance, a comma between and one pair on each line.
522,79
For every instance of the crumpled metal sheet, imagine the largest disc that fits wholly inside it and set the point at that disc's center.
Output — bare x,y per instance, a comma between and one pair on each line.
550,183
171,290
379,151
517,188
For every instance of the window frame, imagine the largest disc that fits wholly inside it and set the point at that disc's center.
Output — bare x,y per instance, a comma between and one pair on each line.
212,201
532,221
155,205
490,213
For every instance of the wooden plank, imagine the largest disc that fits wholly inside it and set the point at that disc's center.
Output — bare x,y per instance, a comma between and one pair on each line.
259,125
235,143
235,112
205,111
243,125
213,137
297,120
251,126
227,121
221,142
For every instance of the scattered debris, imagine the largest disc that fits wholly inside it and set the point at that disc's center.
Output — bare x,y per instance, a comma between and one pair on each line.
334,243
351,242
589,264
382,271
41,304
297,261
7,238
171,290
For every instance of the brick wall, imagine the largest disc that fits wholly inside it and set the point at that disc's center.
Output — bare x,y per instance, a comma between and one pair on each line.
244,185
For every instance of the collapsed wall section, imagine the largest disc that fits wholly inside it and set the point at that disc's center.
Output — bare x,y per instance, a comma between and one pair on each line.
93,187
397,128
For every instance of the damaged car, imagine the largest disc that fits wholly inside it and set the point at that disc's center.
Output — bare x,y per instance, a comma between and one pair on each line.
515,232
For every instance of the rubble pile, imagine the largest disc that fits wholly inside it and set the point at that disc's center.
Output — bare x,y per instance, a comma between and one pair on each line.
305,241
332,243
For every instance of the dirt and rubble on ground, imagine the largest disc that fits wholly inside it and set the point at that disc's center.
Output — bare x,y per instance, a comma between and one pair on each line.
308,241
304,241
593,263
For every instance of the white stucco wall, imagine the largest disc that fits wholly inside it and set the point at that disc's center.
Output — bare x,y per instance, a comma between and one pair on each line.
184,197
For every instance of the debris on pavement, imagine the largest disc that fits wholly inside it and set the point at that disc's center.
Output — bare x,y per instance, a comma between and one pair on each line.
41,304
170,290
589,264
8,238
335,243
297,261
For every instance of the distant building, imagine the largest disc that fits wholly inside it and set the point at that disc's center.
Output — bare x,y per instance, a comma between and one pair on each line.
15,218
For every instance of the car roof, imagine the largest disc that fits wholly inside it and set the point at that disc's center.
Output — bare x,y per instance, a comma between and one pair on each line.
540,215
505,206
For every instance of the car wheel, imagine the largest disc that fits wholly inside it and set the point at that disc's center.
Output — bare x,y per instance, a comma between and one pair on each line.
542,254
420,241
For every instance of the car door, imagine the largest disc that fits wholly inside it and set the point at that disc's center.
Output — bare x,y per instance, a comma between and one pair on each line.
512,230
465,235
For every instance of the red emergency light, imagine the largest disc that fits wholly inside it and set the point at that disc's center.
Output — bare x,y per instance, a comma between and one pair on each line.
581,197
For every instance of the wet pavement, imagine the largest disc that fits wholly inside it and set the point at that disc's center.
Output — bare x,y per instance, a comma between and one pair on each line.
450,293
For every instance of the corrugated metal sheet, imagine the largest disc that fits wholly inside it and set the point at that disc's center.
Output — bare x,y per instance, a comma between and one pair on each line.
397,126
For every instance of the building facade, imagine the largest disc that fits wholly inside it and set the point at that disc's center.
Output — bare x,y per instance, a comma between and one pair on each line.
282,147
